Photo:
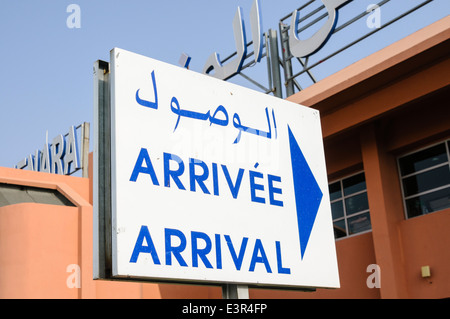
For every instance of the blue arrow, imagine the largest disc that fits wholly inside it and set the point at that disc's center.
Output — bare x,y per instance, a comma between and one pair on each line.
307,193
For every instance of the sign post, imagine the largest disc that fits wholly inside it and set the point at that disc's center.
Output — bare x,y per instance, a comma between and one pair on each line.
235,292
209,182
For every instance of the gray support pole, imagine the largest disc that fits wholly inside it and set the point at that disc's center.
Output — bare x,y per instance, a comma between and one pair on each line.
287,64
102,170
85,131
231,291
275,65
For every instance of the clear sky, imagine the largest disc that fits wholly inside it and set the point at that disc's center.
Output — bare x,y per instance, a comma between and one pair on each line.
46,78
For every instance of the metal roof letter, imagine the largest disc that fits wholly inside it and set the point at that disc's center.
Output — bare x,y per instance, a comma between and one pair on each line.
302,48
224,72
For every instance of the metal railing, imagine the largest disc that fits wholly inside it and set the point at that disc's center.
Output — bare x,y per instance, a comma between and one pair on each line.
316,14
302,71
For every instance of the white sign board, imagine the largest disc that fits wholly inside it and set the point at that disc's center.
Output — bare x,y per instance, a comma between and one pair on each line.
215,183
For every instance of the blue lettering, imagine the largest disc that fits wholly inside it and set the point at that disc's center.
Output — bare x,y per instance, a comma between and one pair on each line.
175,250
233,188
218,252
237,259
256,259
196,252
174,174
198,178
281,270
147,169
140,248
215,179
254,187
201,246
199,174
272,190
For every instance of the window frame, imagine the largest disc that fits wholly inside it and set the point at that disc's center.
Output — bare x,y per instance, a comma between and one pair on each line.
446,143
345,217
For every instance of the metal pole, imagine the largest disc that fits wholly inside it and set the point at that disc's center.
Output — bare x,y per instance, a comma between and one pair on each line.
102,166
85,131
275,65
287,63
269,70
231,291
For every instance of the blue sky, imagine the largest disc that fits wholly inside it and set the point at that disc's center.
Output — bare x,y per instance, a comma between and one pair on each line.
46,79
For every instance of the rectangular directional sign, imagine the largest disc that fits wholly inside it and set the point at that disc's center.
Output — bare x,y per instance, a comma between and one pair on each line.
215,183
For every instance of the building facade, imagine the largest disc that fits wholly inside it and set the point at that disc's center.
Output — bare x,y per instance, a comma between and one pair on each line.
386,129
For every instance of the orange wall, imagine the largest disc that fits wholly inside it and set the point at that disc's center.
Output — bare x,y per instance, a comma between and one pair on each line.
35,250
391,102
38,243
426,242
354,254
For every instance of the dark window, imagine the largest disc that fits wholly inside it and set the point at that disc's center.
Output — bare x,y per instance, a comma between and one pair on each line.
349,206
15,194
425,177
